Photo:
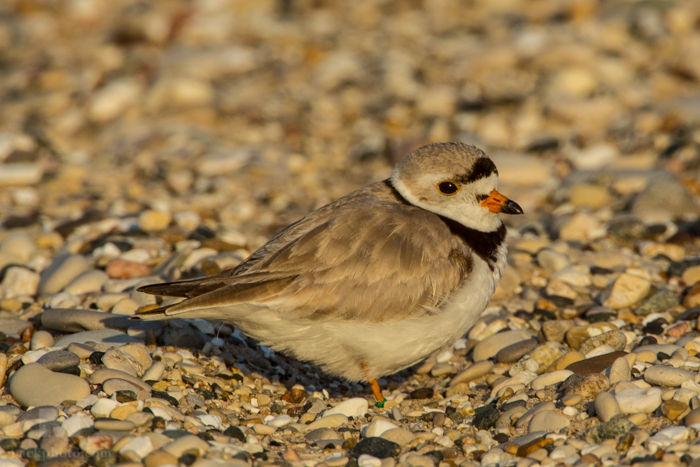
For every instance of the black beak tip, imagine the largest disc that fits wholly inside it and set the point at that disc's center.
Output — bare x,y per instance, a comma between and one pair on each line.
511,207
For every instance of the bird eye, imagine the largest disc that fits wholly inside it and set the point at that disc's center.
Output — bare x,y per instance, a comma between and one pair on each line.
447,187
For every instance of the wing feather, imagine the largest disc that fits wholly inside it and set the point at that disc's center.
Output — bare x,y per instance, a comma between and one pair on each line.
372,262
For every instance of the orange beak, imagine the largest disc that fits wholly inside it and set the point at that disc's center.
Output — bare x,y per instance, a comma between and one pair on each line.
496,202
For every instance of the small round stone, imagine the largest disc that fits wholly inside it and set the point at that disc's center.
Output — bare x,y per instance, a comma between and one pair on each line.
41,339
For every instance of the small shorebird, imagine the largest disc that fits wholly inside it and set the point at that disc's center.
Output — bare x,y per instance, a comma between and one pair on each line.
375,281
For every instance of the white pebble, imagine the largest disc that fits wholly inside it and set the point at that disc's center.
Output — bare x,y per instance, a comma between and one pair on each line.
644,400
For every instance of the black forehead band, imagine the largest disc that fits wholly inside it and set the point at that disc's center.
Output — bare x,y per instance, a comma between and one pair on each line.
483,167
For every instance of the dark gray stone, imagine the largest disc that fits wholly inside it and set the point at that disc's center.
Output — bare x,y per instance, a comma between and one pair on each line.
378,447
59,360
662,300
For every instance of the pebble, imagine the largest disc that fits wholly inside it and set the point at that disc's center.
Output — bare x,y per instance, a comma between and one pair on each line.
400,436
378,427
328,421
673,410
552,260
154,372
615,339
692,418
91,280
556,330
490,346
154,220
594,364
355,407
606,406
59,360
644,400
588,386
103,407
662,300
515,352
608,430
620,371
103,375
187,443
41,339
548,420
114,425
549,379
38,414
19,281
524,420
660,375
34,385
85,224
627,290
61,272
473,372
137,448
377,447
159,458
320,434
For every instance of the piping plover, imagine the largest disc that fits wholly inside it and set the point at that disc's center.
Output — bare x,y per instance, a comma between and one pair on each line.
374,282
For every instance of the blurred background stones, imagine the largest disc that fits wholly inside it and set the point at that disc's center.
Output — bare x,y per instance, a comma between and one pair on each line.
150,141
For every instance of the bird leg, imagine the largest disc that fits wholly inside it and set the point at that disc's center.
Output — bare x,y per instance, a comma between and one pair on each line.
377,392
375,387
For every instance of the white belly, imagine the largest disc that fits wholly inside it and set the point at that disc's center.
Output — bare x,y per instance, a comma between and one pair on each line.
340,347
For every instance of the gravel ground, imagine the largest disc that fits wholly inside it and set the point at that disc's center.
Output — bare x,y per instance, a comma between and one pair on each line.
151,141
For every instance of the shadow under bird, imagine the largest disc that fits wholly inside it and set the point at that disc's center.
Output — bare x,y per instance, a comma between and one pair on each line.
374,282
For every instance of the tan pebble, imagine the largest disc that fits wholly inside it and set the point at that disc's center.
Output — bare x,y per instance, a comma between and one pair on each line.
571,400
628,317
628,289
262,429
154,220
691,275
646,356
473,372
620,371
264,400
125,306
565,360
290,455
461,388
637,418
547,353
122,412
307,418
159,458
